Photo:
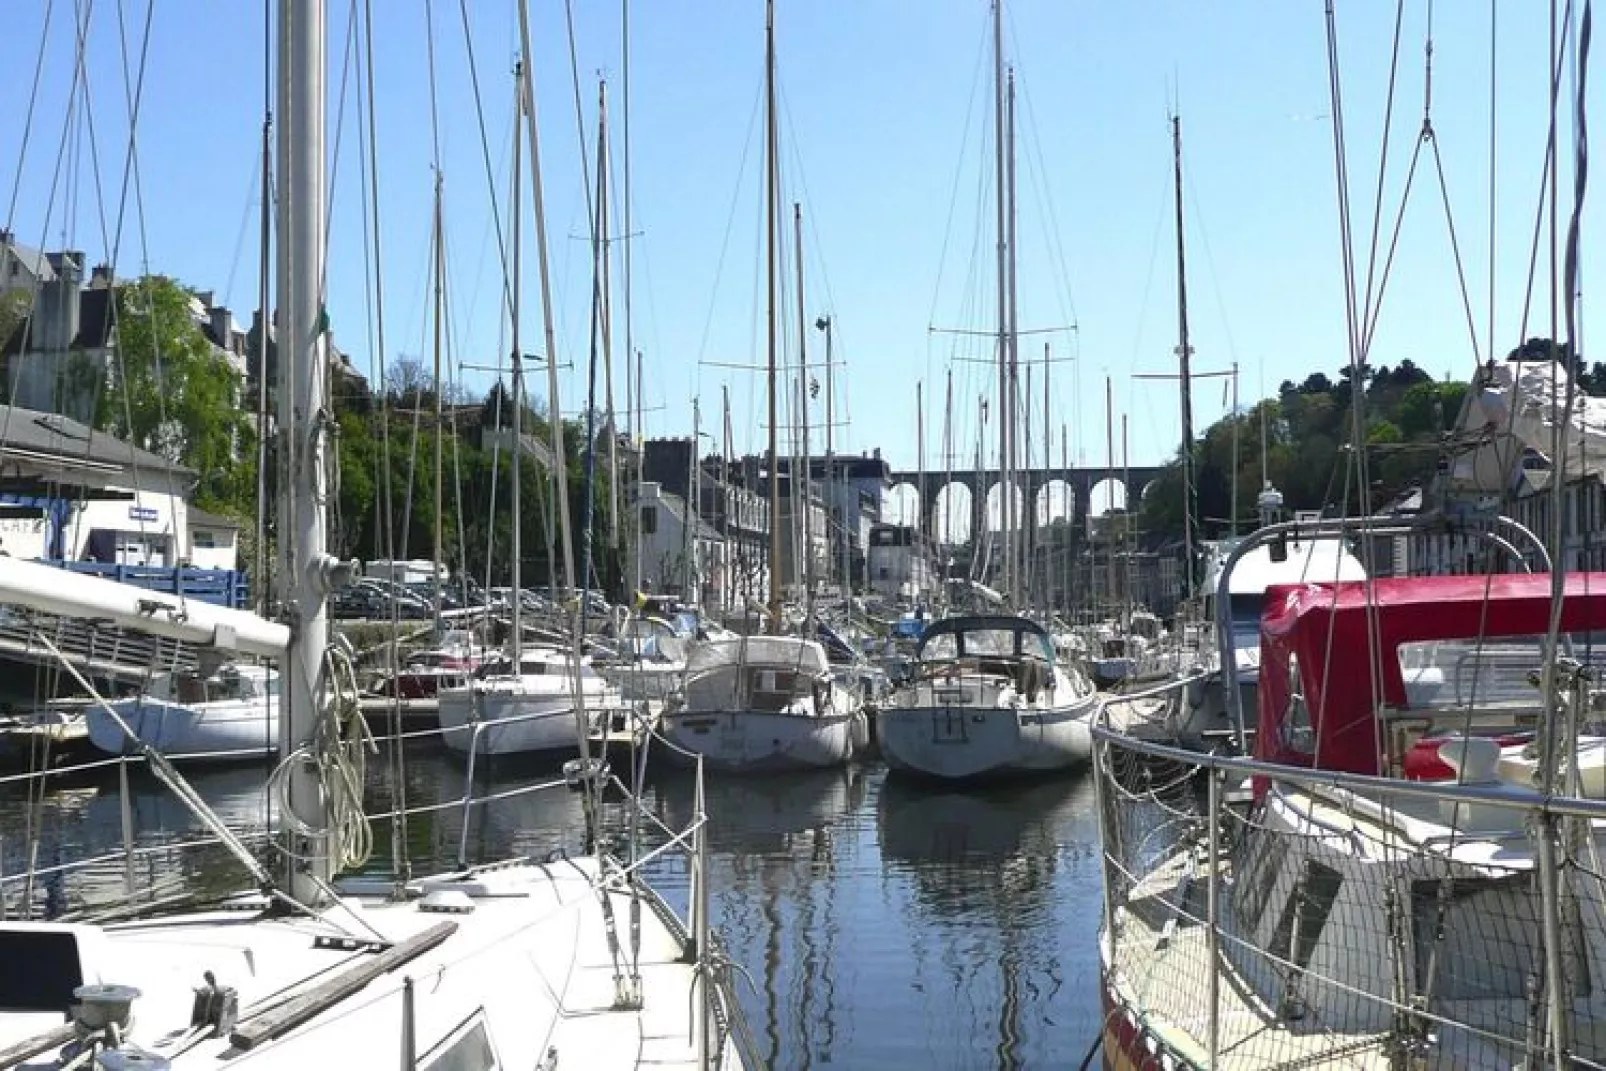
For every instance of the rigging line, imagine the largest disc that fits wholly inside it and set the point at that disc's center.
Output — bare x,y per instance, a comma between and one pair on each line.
253,185
134,96
959,169
1393,247
1038,174
340,128
434,113
730,223
1493,97
1148,278
579,116
1569,314
1371,300
485,155
1210,265
1455,250
1547,177
27,121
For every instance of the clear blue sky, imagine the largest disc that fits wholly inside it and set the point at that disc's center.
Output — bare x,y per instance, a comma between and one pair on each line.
886,140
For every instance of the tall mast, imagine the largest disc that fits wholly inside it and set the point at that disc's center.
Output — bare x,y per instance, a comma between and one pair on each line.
772,193
599,262
514,314
558,502
1013,535
725,492
1109,489
1048,462
1184,354
440,422
1126,528
259,551
693,496
303,373
605,243
948,478
1235,462
1002,199
1065,471
920,459
803,406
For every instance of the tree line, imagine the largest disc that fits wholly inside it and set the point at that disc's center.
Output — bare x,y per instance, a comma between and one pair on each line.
1306,434
167,390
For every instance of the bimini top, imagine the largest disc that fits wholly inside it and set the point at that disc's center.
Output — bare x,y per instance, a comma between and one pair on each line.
1316,667
995,635
792,652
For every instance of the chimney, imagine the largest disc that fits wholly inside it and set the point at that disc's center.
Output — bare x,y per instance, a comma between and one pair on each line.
222,326
56,318
100,277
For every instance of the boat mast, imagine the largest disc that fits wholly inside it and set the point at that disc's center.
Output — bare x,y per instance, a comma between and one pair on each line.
259,552
1048,499
598,319
1001,199
947,482
1184,355
1065,470
772,210
440,422
1109,490
517,548
303,367
920,461
1014,535
688,548
803,404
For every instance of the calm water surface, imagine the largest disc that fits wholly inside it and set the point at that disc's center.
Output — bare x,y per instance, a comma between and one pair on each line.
878,923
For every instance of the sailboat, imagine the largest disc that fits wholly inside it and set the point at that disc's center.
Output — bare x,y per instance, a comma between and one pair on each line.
989,694
524,703
509,965
758,703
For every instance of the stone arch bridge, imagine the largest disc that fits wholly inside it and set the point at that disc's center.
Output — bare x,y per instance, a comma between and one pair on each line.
1031,485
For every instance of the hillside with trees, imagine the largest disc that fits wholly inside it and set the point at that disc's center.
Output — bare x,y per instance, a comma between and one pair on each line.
1308,432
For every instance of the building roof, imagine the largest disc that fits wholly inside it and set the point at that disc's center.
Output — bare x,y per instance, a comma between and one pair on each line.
32,259
30,434
677,506
95,323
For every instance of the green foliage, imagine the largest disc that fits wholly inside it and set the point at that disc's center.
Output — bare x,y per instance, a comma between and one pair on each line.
171,392
1308,429
14,308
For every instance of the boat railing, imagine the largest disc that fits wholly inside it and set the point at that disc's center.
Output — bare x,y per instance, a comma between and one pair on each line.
1258,914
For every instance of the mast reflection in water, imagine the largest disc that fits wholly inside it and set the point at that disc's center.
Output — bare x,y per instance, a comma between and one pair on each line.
882,923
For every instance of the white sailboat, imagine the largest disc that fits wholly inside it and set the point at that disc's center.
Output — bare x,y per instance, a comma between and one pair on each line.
518,965
762,703
528,706
988,698
230,715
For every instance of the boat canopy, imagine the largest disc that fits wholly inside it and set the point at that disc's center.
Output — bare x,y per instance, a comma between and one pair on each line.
1317,678
792,652
995,636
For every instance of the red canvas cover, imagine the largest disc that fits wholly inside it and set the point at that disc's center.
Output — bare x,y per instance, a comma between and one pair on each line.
1324,626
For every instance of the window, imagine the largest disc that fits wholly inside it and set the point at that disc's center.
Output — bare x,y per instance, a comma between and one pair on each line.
203,540
466,1048
1306,914
649,520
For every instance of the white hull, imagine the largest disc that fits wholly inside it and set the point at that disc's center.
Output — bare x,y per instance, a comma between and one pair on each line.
505,719
761,740
960,742
223,731
522,968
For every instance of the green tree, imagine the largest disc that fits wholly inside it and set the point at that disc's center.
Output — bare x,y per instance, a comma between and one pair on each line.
174,394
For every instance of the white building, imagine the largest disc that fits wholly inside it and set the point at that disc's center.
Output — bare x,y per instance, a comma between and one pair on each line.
696,562
900,566
69,492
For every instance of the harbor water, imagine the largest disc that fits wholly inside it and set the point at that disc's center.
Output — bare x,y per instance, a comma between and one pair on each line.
875,922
